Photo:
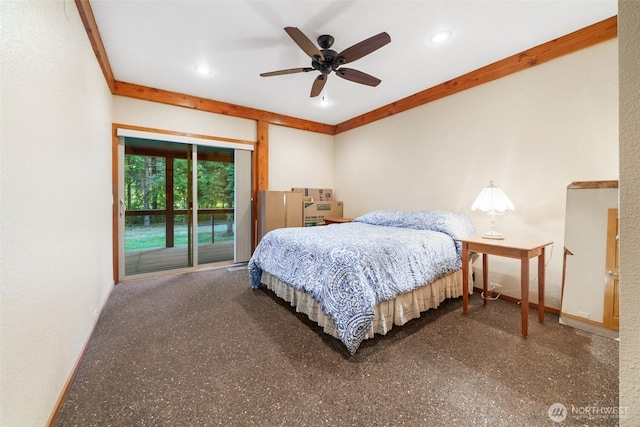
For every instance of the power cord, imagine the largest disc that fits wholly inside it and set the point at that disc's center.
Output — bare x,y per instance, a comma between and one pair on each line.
490,298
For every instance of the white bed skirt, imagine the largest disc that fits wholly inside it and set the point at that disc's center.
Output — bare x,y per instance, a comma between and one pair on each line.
395,312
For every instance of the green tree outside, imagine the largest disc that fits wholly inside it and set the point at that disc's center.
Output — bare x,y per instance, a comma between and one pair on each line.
145,189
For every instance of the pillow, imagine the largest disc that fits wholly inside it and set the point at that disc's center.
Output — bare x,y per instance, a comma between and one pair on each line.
454,224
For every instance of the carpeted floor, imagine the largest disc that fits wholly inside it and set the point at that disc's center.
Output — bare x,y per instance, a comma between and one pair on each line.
203,349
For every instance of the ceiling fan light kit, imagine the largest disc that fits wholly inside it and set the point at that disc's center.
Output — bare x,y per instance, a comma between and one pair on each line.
325,60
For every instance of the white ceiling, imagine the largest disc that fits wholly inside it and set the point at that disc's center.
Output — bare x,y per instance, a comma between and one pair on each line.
160,43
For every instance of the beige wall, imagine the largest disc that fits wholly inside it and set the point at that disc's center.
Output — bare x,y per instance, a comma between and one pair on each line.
134,112
629,16
299,159
532,133
55,211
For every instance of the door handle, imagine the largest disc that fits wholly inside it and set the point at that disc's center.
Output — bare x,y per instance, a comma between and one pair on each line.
612,273
123,208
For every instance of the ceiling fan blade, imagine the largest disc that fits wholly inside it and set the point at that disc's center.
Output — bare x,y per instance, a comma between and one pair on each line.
358,76
318,84
287,71
304,42
363,48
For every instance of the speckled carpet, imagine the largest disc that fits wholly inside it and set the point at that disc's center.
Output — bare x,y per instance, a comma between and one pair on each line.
204,349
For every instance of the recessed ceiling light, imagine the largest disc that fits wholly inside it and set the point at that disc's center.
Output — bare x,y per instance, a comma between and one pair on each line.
440,37
203,69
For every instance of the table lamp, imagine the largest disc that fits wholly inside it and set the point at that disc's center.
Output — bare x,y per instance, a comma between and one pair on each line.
493,201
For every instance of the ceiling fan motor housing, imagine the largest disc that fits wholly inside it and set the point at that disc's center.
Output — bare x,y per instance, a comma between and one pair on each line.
330,63
331,60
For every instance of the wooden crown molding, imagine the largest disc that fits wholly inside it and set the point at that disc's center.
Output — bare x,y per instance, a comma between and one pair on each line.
90,26
580,39
178,99
586,37
181,100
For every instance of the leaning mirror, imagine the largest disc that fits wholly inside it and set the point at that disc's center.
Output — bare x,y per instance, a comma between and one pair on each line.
590,272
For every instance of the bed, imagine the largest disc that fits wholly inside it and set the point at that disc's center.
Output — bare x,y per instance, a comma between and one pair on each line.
358,279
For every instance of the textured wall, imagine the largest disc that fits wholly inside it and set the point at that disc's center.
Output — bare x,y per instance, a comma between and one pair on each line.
55,211
299,159
629,30
153,115
532,133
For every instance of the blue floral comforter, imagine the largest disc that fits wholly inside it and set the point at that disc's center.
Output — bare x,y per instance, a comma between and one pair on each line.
349,268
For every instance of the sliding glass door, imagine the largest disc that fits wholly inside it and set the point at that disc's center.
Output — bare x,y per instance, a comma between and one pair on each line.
157,206
215,183
178,206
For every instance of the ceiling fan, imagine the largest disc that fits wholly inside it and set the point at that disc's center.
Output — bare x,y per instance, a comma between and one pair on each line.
326,60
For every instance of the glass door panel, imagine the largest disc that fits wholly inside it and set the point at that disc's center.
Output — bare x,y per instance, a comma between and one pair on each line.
158,217
215,184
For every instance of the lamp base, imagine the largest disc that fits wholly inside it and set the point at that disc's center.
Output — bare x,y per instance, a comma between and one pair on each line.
493,235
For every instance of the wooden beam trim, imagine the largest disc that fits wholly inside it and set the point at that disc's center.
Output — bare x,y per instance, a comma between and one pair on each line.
260,172
262,156
583,38
188,134
115,208
90,26
590,185
181,100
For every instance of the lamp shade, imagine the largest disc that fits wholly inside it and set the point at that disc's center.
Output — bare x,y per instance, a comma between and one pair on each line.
492,200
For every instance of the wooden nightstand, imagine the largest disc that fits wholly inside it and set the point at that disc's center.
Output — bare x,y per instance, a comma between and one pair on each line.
337,220
523,250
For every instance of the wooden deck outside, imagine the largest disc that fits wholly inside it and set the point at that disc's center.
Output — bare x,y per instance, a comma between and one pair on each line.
161,259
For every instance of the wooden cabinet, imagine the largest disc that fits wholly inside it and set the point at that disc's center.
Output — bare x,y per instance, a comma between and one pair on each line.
278,209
